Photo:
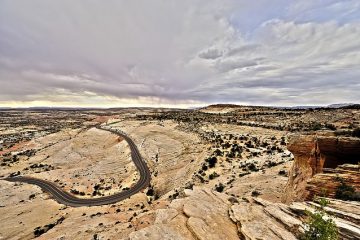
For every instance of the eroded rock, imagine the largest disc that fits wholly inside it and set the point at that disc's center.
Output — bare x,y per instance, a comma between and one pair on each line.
207,214
312,155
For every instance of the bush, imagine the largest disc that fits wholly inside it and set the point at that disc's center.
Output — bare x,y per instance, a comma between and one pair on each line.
38,231
213,175
255,193
219,187
204,167
150,192
315,126
344,191
212,161
320,226
330,126
356,133
218,152
252,167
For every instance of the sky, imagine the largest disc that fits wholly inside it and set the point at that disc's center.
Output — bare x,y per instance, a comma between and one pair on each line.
171,53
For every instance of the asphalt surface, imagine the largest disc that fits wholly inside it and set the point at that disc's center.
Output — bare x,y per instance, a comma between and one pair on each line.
66,198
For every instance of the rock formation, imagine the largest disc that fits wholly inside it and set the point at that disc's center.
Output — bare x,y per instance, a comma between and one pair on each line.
314,153
327,182
205,214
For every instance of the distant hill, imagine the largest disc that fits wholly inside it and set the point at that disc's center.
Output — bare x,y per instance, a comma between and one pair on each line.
220,105
300,107
232,107
352,106
333,106
340,105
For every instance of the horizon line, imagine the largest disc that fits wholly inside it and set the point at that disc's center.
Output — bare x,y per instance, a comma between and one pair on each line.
174,107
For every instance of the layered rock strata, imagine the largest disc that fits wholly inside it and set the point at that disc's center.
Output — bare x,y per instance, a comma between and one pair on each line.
314,153
328,182
205,214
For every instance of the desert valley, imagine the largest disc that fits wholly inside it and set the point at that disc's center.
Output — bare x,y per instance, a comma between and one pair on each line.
180,120
218,172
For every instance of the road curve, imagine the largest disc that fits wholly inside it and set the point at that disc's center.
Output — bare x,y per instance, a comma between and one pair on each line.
66,198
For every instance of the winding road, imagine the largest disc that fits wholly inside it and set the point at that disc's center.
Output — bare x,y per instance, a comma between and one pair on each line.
66,198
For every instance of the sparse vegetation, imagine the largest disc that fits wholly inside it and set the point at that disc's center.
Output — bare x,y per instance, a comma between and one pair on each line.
213,175
212,161
255,193
150,192
330,126
356,132
315,126
345,192
41,230
219,187
320,226
244,159
252,167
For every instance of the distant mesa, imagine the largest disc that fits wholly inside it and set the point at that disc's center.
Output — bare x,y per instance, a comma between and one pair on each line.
236,106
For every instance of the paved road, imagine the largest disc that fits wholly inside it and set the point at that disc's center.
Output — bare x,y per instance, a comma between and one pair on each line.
68,199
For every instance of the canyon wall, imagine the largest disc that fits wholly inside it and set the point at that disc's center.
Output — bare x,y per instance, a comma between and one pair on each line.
313,154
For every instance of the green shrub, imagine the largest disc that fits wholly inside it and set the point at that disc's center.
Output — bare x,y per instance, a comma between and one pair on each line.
252,167
356,133
344,191
330,126
219,187
315,126
212,161
218,152
213,175
255,193
320,226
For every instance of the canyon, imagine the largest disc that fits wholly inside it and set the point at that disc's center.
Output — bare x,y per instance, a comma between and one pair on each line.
220,172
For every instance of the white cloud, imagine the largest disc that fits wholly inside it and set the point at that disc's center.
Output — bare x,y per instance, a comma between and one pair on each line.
313,58
179,51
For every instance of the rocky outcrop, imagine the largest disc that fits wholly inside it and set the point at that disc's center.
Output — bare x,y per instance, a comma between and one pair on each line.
343,214
205,214
327,182
314,153
256,220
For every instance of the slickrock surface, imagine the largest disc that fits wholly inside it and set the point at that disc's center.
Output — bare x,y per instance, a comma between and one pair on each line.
345,212
312,154
205,214
171,154
236,161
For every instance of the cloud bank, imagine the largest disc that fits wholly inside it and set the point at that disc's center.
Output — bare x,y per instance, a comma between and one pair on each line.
178,53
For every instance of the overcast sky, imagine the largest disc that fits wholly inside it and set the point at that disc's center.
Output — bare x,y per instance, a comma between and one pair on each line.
179,53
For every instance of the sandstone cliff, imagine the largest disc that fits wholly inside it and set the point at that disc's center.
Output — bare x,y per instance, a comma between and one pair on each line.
314,153
327,182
